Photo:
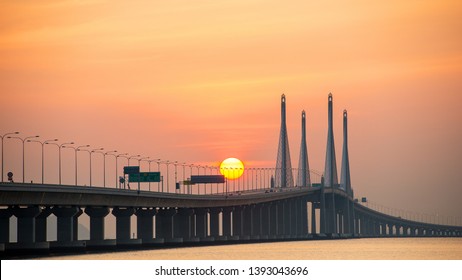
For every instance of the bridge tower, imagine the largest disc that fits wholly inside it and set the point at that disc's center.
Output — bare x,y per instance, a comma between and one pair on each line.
303,177
330,171
345,182
330,168
284,177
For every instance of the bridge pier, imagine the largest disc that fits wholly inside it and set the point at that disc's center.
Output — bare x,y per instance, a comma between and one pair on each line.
331,217
185,217
123,226
294,218
237,222
145,225
303,225
26,223
5,215
341,222
247,219
202,224
226,222
97,215
265,229
313,217
256,222
165,225
356,225
281,223
41,224
273,220
26,230
67,225
65,222
215,223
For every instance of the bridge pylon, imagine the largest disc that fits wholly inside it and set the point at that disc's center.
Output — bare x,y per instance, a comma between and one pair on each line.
303,176
345,182
330,172
284,176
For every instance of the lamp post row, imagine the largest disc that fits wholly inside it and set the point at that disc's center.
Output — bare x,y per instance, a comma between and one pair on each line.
256,173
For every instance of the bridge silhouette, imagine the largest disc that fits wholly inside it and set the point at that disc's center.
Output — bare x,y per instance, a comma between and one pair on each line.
269,204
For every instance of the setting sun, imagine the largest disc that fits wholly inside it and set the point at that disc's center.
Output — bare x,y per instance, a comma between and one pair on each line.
232,168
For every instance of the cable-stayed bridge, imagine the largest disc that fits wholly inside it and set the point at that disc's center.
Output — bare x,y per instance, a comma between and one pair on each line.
267,204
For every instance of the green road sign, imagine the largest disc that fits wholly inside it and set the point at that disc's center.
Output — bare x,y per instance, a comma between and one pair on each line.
144,177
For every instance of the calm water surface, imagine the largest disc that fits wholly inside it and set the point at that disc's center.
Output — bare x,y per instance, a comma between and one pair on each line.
351,249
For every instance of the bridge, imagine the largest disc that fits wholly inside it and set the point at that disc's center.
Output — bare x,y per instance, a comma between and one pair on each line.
279,206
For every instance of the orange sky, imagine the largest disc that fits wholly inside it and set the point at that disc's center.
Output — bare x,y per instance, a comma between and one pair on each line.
199,81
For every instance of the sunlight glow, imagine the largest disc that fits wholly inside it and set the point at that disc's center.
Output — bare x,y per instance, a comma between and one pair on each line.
232,168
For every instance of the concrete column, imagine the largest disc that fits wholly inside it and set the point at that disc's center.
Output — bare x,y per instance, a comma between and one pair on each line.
398,230
97,215
329,216
26,223
248,221
66,222
201,222
123,222
145,224
273,222
287,219
75,220
41,224
215,222
281,219
341,223
237,221
346,216
256,221
294,216
5,215
356,222
265,221
303,217
352,218
165,224
186,224
362,226
313,218
226,218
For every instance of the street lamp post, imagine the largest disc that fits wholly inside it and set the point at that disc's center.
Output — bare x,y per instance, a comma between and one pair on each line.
184,167
117,169
176,177
166,163
226,172
76,162
23,150
75,158
91,152
59,156
142,159
198,173
104,164
152,160
3,136
43,164
130,157
190,177
60,146
139,165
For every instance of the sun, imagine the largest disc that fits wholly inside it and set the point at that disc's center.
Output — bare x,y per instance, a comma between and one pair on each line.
232,168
